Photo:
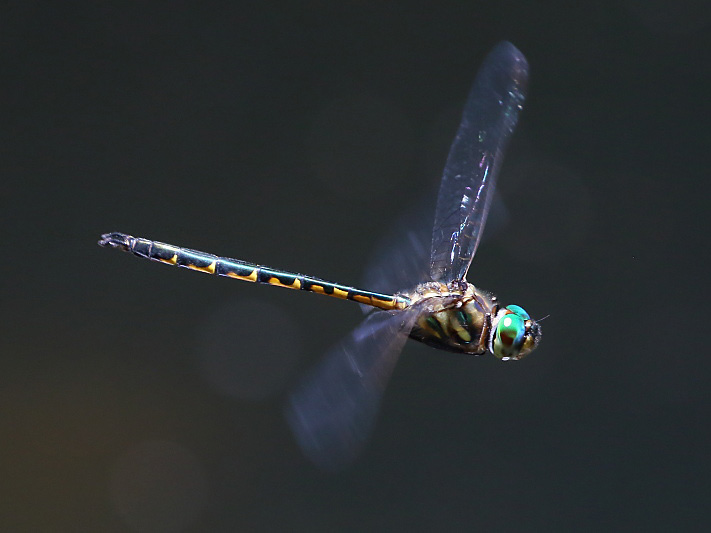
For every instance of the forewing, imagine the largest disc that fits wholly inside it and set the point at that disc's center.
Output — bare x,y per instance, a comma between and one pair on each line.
333,410
469,177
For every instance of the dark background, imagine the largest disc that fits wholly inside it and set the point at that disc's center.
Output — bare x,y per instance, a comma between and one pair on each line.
137,397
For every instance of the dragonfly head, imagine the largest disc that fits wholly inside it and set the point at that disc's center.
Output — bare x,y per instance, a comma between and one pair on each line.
513,334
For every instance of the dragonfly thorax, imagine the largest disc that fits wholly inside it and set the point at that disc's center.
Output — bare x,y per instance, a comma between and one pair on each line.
460,318
455,317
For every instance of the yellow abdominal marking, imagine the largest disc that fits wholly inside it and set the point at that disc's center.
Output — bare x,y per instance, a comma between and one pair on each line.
318,289
276,281
385,304
172,261
252,276
339,293
209,269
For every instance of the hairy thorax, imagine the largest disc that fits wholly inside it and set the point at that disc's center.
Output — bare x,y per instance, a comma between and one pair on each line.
455,317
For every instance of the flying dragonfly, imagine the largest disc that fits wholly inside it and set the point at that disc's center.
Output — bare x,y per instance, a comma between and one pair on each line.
418,293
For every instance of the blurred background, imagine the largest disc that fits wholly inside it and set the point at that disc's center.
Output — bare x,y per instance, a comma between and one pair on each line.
137,397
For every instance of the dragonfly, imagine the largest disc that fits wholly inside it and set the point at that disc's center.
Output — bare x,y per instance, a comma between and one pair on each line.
420,292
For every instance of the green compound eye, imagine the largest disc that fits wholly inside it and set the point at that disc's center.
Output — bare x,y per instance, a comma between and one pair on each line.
519,311
509,335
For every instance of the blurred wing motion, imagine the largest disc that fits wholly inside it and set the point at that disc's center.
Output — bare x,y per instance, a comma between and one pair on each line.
333,410
469,177
400,261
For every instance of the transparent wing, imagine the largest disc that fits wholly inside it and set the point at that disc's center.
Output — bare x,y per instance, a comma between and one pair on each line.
469,177
333,410
401,260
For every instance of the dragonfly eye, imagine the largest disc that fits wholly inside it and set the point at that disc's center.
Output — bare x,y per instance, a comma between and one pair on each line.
519,311
516,334
509,337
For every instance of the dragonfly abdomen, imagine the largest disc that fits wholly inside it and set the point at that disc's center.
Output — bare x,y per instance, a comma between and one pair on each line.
243,270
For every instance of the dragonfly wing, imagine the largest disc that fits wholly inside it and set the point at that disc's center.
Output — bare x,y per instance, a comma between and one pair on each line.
469,177
401,259
333,410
